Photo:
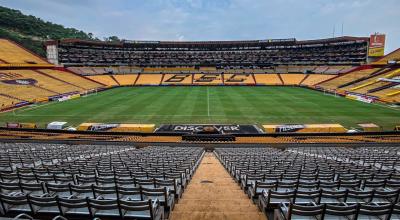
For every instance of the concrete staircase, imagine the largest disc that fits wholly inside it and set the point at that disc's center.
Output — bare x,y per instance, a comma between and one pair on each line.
213,194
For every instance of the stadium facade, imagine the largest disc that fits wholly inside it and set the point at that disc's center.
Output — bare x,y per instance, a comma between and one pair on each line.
220,54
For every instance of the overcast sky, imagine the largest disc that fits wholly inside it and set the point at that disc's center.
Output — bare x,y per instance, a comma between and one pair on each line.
221,19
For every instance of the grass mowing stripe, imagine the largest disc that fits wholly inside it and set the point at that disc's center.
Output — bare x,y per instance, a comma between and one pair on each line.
242,105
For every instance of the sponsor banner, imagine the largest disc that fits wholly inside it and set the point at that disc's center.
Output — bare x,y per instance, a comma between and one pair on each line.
376,52
21,104
370,127
289,128
12,125
376,45
221,129
304,128
145,128
361,98
20,81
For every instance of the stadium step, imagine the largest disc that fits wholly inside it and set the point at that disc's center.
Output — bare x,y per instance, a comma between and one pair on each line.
12,97
213,194
304,79
115,80
280,78
49,90
389,85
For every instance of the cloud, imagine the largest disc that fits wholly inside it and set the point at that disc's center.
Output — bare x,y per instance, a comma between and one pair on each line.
220,19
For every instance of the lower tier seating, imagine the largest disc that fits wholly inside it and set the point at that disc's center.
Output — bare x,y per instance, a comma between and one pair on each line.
318,182
238,79
149,79
37,85
79,81
292,79
94,181
12,53
6,101
346,78
125,80
314,79
104,79
177,79
390,94
268,79
207,79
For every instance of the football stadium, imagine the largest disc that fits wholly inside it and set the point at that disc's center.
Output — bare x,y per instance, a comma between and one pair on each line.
196,129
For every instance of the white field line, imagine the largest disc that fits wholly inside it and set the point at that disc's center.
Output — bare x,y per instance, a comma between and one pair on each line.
138,116
386,106
208,103
34,107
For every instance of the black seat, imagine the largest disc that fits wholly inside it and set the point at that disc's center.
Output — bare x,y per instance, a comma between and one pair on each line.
341,211
43,205
288,211
74,207
106,208
141,210
14,204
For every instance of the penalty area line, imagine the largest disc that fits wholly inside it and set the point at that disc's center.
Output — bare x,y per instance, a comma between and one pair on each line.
32,107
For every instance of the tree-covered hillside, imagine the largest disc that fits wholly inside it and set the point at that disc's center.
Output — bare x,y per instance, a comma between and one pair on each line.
31,32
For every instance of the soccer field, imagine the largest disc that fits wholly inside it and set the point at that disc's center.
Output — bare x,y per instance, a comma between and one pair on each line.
236,105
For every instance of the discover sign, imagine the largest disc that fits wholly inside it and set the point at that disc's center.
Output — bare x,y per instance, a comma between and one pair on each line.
221,129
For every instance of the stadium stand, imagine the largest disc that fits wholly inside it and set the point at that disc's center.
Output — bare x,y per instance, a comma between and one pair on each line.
393,56
7,101
92,181
149,79
177,79
268,79
24,79
26,91
104,79
126,80
389,94
235,79
314,79
219,54
374,82
317,182
207,79
292,79
13,54
82,83
340,80
38,85
51,84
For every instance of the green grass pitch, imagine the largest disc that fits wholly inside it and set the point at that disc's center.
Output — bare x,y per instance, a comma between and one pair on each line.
236,105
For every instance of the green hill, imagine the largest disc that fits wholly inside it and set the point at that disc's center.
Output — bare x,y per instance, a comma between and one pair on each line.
31,32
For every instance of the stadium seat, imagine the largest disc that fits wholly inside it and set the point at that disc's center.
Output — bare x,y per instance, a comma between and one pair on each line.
104,79
314,79
346,78
126,80
14,54
268,79
292,79
149,79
